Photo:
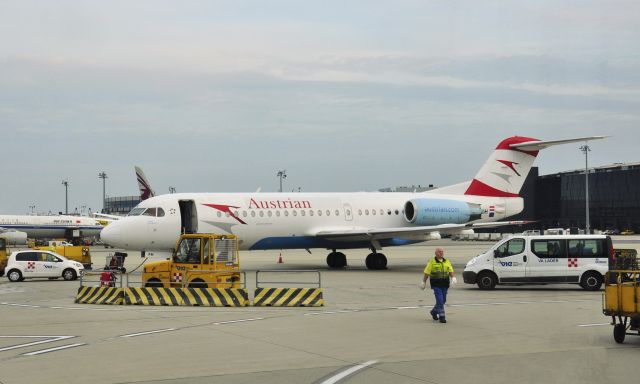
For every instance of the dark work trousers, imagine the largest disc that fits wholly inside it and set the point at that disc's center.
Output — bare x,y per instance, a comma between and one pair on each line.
441,299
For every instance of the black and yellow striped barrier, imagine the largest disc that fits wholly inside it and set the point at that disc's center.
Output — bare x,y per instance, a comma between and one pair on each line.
288,297
206,297
100,295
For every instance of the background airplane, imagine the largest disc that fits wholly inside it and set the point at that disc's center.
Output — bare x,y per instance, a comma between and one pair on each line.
17,228
338,220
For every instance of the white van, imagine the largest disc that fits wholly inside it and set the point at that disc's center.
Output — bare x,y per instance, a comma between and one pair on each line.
573,259
36,263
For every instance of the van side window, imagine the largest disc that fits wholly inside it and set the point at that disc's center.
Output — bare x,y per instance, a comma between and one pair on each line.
511,247
549,248
27,256
586,248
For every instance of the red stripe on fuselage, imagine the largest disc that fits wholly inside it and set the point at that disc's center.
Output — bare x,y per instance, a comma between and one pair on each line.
225,209
478,188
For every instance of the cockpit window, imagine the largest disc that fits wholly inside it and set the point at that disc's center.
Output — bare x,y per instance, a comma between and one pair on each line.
150,212
136,211
160,212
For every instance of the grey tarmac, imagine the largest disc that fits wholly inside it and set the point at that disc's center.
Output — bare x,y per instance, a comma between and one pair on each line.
374,328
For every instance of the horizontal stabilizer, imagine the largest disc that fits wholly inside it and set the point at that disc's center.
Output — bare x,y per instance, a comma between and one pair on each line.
538,145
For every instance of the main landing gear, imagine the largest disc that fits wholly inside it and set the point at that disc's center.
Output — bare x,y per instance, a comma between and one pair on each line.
336,260
375,260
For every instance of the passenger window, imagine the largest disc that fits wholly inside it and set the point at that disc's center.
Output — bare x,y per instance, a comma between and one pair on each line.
261,213
27,256
269,213
310,213
302,213
277,213
319,212
328,212
160,212
286,213
586,248
510,248
549,248
366,212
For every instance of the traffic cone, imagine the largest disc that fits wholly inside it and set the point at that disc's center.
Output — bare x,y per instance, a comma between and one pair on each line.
280,259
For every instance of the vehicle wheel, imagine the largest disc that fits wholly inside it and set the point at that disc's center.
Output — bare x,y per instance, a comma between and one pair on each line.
153,283
591,281
487,280
197,284
69,274
14,275
619,332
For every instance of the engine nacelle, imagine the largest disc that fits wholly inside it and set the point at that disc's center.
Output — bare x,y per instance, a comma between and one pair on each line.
440,211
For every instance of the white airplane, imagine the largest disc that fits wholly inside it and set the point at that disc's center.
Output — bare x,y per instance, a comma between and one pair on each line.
48,227
338,220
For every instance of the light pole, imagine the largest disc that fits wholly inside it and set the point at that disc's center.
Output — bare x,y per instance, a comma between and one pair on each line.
103,175
66,196
33,209
282,175
586,149
172,189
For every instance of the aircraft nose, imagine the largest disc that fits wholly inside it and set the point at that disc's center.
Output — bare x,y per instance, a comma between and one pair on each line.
112,235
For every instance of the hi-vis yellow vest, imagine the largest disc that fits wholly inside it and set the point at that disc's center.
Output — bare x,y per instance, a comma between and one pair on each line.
438,272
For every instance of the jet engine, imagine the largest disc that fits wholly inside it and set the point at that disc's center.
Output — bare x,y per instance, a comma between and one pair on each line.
14,237
440,211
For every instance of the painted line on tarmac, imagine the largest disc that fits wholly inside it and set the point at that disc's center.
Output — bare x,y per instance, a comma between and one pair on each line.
447,305
593,325
40,352
348,372
49,339
149,332
237,321
187,327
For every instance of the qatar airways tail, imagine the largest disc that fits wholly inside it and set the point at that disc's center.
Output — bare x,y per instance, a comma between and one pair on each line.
144,185
339,221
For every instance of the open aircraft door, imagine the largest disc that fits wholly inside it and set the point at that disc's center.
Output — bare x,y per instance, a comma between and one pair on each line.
188,216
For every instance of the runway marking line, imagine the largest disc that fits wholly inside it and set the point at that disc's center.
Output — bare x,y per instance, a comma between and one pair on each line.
336,378
49,339
42,351
149,332
593,325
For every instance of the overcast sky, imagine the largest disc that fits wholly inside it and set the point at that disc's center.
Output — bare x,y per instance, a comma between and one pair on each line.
217,96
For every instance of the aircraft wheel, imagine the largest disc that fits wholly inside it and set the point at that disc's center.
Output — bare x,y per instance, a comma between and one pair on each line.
336,260
376,261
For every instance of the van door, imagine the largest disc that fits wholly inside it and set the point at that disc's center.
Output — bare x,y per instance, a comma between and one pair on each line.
548,261
510,260
188,216
584,254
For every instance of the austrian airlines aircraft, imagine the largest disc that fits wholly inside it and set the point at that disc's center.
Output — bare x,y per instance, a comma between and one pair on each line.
337,220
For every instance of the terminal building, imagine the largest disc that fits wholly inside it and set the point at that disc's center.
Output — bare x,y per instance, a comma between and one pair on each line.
120,205
558,200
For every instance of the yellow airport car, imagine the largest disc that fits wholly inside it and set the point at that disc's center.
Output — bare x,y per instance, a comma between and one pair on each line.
200,261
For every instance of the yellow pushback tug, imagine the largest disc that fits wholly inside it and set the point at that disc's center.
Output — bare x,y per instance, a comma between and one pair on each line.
202,260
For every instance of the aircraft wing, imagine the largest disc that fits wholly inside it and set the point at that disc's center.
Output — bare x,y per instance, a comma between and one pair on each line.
106,216
363,234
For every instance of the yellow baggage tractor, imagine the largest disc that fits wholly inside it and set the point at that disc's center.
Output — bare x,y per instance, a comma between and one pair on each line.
203,260
621,299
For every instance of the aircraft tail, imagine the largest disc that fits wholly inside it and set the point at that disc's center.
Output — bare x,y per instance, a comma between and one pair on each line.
143,184
507,168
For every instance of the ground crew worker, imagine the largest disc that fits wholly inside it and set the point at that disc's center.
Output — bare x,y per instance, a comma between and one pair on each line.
439,270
